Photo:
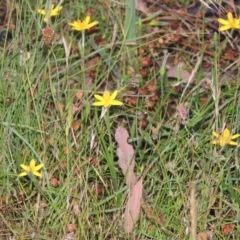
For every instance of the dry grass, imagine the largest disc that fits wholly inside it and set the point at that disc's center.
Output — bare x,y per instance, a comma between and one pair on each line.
179,80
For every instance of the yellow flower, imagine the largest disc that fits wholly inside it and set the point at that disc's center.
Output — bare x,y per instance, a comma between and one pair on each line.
32,168
107,99
225,138
231,22
82,25
53,12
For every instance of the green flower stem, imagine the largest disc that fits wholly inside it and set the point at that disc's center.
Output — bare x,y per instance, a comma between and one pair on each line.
82,55
82,50
35,182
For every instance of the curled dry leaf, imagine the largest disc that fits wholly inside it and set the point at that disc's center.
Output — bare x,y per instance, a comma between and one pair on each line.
125,155
71,227
126,162
93,63
133,206
141,6
76,208
178,71
208,235
182,113
70,236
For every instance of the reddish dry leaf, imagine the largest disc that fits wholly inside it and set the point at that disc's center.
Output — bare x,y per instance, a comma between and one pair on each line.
92,63
133,207
205,235
227,229
89,82
126,162
141,6
78,95
75,125
70,236
125,154
71,227
54,182
76,208
177,71
182,113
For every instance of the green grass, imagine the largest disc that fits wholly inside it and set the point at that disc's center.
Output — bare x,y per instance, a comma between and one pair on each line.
82,183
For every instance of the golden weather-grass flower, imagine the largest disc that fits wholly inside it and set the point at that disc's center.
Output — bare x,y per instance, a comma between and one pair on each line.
31,168
231,22
53,12
107,99
224,138
79,25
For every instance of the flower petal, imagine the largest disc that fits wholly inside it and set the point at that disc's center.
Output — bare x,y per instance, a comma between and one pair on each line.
223,21
226,133
106,95
73,23
50,12
22,174
41,11
215,134
32,164
25,167
98,97
224,28
83,25
106,105
114,94
230,17
38,167
98,104
232,143
222,142
87,20
56,11
235,136
37,174
116,102
92,24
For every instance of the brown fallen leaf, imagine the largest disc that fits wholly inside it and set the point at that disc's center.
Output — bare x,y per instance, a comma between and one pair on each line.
92,63
76,209
141,6
133,206
178,71
205,235
137,193
182,113
125,154
126,162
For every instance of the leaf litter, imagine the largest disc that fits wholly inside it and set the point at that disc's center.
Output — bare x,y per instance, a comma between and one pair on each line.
125,151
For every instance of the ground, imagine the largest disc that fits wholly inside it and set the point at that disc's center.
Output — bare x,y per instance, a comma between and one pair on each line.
177,80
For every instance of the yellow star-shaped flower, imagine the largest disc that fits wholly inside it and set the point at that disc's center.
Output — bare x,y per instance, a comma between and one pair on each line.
225,138
107,99
32,169
231,22
79,25
53,12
